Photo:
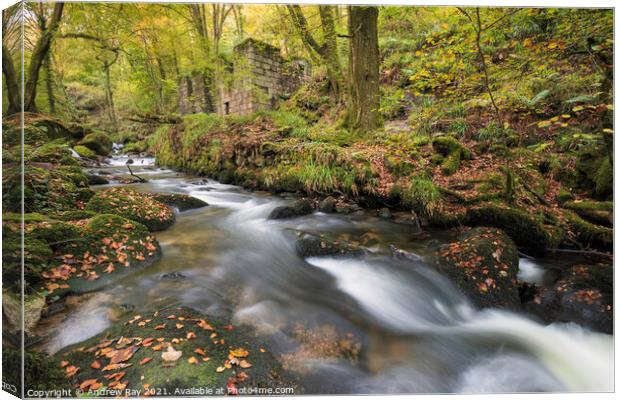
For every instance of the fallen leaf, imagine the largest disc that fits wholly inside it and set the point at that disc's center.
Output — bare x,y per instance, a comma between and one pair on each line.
158,327
64,364
239,352
115,376
71,370
192,360
220,369
145,360
171,355
147,342
200,351
96,364
179,326
244,364
191,335
113,367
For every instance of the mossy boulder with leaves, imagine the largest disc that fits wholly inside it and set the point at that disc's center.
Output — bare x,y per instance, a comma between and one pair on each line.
598,212
168,350
40,371
89,254
311,245
53,188
85,152
133,205
483,263
583,294
452,151
98,142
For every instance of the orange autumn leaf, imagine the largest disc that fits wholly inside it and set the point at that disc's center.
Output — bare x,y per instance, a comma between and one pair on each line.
200,351
158,327
244,364
64,364
191,335
192,360
96,364
145,360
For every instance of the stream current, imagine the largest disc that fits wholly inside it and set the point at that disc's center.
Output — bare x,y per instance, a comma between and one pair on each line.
368,324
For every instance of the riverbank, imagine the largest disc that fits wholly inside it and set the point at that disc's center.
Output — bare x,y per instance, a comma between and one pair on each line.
285,286
445,182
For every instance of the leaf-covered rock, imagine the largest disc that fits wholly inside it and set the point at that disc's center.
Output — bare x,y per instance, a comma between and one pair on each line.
483,263
133,205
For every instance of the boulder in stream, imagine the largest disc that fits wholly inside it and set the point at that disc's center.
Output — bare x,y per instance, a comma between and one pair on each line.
183,202
583,294
483,263
297,209
169,350
310,245
140,207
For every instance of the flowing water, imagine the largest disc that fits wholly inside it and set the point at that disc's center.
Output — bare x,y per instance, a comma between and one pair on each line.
366,324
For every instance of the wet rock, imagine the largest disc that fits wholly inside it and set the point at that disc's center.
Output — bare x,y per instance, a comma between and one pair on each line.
98,142
12,311
583,294
201,346
133,205
297,209
328,205
483,263
404,255
310,245
172,276
97,180
385,213
53,309
183,202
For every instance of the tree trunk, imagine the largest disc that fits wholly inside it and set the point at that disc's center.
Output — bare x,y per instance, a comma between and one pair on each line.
330,49
363,113
38,56
49,82
11,79
109,95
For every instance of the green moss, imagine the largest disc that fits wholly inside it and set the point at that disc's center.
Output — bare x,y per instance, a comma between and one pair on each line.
41,371
446,145
73,215
132,205
98,142
564,196
522,227
54,152
590,234
217,340
604,179
85,152
451,163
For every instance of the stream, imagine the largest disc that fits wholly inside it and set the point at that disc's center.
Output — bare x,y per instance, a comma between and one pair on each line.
408,327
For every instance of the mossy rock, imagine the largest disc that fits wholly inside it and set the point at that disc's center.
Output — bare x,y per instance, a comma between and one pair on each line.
446,145
130,204
310,245
94,179
604,180
596,172
133,349
55,153
592,235
583,295
451,163
522,227
73,215
41,372
91,254
45,189
598,212
483,263
182,202
85,152
98,142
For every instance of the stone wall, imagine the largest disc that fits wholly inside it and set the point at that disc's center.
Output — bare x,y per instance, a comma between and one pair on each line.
194,96
261,78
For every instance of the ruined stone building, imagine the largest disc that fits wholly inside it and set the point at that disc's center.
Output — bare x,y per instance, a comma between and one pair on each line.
258,79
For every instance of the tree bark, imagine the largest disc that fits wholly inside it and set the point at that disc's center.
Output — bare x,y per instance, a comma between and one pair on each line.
49,82
330,49
38,56
363,110
11,79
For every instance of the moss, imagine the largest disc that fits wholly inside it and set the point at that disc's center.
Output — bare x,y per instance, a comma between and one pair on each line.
73,215
85,152
522,227
132,205
56,189
446,145
437,159
171,327
564,196
593,235
54,152
451,163
398,166
604,179
41,371
98,142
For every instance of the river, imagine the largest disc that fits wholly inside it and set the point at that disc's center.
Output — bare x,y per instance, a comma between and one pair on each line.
366,324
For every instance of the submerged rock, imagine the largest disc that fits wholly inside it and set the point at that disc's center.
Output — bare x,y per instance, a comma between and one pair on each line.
181,201
169,350
172,276
297,209
97,180
483,263
133,205
583,294
310,245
